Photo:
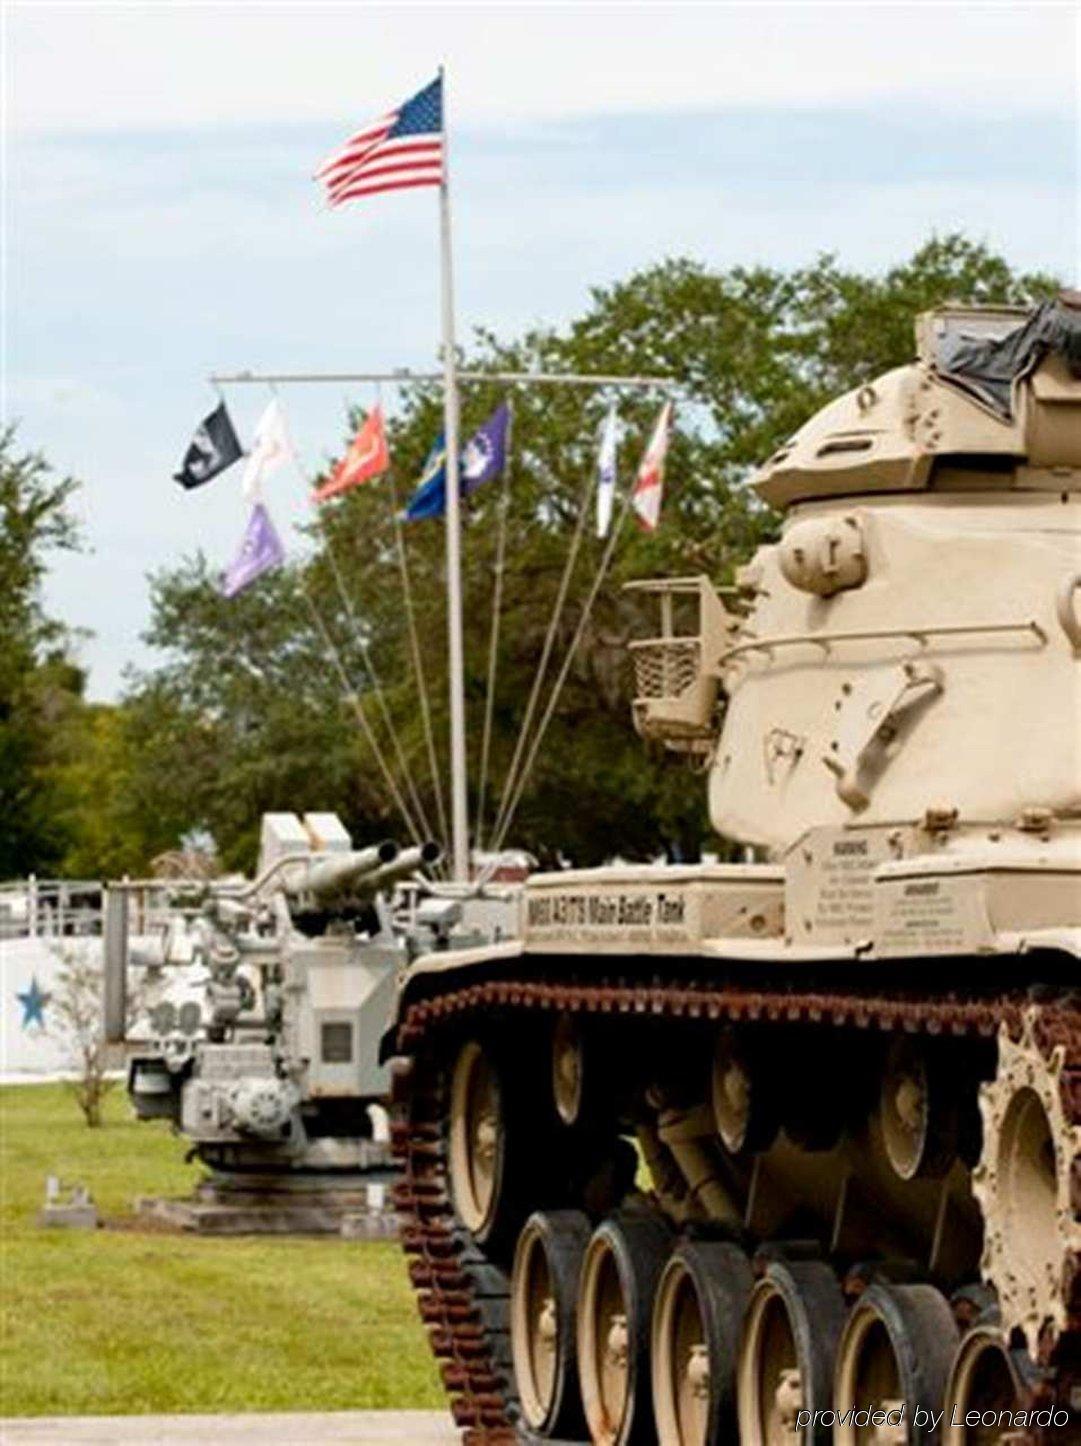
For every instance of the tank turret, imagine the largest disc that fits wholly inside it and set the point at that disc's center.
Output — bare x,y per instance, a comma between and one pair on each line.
924,576
909,645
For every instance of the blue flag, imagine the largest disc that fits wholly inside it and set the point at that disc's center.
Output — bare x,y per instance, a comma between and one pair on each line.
483,457
430,498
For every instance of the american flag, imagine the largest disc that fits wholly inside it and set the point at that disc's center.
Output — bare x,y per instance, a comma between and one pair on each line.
403,148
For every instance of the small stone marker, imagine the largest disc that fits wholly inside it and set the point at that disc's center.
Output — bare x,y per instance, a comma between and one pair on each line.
76,1213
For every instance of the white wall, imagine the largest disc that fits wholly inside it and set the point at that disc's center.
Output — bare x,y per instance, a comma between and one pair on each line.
30,1051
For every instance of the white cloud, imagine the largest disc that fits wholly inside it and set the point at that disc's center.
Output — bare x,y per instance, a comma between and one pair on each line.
104,66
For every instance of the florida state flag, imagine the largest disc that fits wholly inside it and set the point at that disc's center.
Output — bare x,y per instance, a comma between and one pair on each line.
649,484
366,458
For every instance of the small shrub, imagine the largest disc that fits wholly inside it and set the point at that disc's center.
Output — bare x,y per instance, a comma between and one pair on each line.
78,1022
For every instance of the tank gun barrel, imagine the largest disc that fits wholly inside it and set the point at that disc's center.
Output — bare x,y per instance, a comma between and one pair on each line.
344,873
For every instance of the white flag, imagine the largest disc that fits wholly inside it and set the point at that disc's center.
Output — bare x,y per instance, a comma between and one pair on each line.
269,449
649,484
606,471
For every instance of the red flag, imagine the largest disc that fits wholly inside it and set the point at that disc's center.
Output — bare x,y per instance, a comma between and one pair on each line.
366,458
649,484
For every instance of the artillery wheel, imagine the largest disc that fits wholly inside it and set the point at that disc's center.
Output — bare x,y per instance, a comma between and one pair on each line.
790,1334
622,1264
894,1355
988,1377
695,1337
544,1286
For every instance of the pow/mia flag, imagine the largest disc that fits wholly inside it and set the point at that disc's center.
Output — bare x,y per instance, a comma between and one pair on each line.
214,447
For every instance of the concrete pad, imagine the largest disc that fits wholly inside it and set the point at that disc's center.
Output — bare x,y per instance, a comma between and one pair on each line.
300,1428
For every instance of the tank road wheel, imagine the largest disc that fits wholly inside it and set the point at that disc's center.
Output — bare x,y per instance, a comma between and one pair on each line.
790,1333
745,1107
544,1287
1022,1184
991,1379
477,1131
622,1264
894,1355
917,1111
695,1337
568,1069
583,1083
488,1142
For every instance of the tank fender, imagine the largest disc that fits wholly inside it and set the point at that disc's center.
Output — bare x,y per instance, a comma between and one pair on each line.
435,965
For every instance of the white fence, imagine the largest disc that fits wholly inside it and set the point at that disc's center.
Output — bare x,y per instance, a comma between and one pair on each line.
50,908
72,908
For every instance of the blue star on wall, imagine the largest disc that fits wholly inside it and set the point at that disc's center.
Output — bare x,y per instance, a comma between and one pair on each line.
33,1001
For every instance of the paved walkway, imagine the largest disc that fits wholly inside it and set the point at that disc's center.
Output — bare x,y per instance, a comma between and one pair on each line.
369,1428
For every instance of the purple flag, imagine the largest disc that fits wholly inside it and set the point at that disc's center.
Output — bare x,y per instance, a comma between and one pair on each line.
485,454
260,550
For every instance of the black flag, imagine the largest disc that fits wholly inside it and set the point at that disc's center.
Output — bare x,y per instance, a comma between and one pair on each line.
213,448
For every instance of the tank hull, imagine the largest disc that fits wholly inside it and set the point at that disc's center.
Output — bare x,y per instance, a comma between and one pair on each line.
833,1012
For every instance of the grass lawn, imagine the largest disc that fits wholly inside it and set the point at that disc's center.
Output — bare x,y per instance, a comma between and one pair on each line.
117,1321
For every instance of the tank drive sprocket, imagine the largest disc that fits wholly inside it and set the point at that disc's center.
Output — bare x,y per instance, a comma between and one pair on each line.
1025,1183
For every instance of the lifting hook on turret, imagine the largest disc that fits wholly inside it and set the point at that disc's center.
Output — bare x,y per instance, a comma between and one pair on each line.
872,714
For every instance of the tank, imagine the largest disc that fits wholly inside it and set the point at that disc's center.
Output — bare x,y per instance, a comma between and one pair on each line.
789,1150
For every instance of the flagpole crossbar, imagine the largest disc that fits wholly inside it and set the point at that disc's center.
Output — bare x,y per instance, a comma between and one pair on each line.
405,377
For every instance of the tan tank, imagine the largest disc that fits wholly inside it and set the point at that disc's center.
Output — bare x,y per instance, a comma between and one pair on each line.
790,1150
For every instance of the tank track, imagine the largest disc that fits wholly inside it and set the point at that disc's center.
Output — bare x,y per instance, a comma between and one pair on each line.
463,1297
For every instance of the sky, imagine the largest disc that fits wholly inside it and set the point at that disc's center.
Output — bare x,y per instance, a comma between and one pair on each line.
159,223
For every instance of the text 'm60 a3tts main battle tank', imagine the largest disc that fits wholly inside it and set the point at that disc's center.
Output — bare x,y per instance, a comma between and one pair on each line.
790,1150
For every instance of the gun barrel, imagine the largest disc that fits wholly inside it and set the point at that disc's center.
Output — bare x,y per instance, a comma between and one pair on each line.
342,873
407,862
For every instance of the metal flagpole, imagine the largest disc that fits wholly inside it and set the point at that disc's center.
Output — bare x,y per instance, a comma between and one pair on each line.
493,634
459,818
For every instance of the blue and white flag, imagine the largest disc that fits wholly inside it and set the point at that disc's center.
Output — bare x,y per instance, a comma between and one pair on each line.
260,550
606,470
484,456
430,497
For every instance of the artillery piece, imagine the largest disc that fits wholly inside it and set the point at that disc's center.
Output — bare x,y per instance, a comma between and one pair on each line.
277,1073
789,1150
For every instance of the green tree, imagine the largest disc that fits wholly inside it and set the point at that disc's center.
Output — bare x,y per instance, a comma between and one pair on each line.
39,685
249,708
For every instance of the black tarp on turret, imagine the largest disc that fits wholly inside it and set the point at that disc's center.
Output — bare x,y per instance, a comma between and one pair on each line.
989,369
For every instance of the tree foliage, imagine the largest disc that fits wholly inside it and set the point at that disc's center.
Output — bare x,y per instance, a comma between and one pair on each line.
39,686
248,711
